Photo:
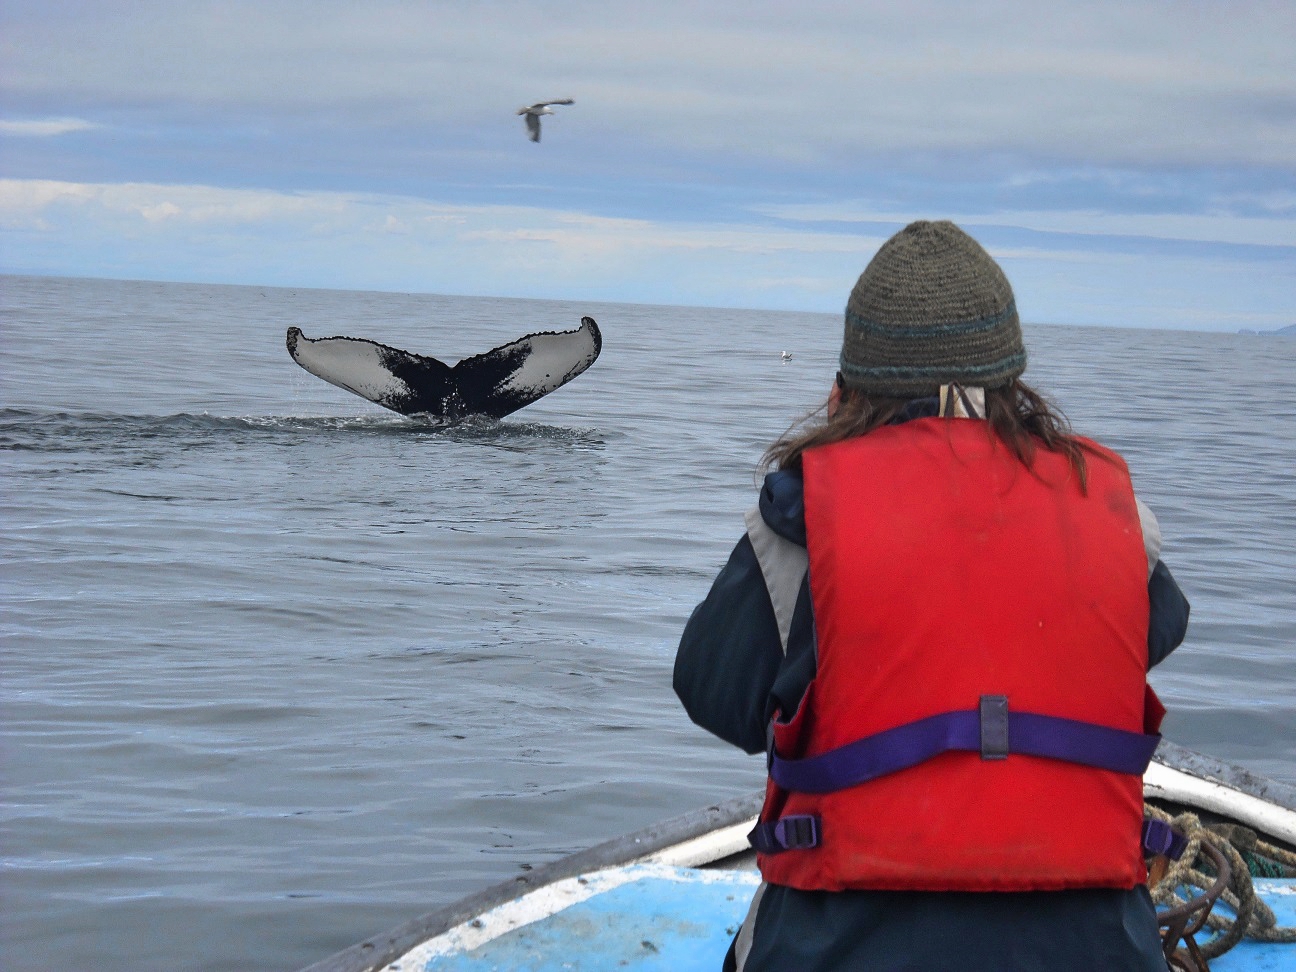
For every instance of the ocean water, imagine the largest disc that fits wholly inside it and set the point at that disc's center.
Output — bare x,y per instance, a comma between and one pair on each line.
281,669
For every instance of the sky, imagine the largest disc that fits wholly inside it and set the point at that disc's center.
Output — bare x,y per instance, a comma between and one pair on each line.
1128,163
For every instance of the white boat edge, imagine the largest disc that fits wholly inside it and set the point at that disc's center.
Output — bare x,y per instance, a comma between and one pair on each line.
1166,783
715,833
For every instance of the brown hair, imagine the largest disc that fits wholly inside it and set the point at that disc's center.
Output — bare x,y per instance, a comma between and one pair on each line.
1016,415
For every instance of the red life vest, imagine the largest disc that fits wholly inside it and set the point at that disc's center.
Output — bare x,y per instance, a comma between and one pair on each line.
942,570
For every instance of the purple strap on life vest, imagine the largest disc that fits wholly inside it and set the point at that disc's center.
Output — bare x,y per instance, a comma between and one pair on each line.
1160,838
795,832
983,730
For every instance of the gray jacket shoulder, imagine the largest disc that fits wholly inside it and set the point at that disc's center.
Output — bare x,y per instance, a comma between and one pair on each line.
783,564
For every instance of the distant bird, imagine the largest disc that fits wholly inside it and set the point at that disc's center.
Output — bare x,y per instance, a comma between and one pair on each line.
787,355
533,113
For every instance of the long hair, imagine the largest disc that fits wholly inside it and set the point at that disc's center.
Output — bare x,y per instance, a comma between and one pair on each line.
1017,415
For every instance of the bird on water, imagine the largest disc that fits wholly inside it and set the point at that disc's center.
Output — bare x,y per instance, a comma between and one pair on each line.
533,113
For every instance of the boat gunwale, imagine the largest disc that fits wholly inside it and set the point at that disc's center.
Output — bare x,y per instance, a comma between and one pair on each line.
380,950
1230,774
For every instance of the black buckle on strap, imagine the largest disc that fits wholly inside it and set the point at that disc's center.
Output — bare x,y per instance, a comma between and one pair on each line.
1160,838
994,727
796,832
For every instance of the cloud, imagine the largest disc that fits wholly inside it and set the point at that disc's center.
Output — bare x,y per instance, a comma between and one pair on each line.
372,241
1105,82
1202,228
580,235
131,206
1128,163
44,128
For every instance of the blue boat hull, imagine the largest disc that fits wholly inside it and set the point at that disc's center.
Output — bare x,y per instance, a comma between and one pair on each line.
673,895
664,919
660,918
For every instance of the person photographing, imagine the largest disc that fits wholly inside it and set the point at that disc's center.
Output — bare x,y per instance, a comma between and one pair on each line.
938,626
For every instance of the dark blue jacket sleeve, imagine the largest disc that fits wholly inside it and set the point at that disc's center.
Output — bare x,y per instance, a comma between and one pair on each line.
730,654
1168,614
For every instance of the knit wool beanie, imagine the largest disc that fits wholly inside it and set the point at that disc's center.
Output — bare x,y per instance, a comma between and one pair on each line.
932,307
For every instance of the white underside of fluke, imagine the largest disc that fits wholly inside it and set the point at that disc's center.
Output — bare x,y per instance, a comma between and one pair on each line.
354,365
553,359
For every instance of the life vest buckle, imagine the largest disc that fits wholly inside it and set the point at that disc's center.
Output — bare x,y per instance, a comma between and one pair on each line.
1159,838
994,727
795,832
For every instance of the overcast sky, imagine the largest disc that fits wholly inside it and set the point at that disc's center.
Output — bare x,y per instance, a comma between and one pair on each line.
1129,163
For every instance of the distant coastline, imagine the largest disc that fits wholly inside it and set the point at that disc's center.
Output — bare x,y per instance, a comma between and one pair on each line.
1288,331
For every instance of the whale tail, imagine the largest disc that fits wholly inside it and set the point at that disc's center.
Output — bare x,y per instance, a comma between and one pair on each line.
495,383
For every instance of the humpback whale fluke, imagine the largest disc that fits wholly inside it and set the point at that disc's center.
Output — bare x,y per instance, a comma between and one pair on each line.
533,113
495,383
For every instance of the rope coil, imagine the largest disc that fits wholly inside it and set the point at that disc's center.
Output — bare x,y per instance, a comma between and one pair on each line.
1241,853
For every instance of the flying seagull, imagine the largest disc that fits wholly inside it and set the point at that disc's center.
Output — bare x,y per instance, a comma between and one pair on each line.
533,113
